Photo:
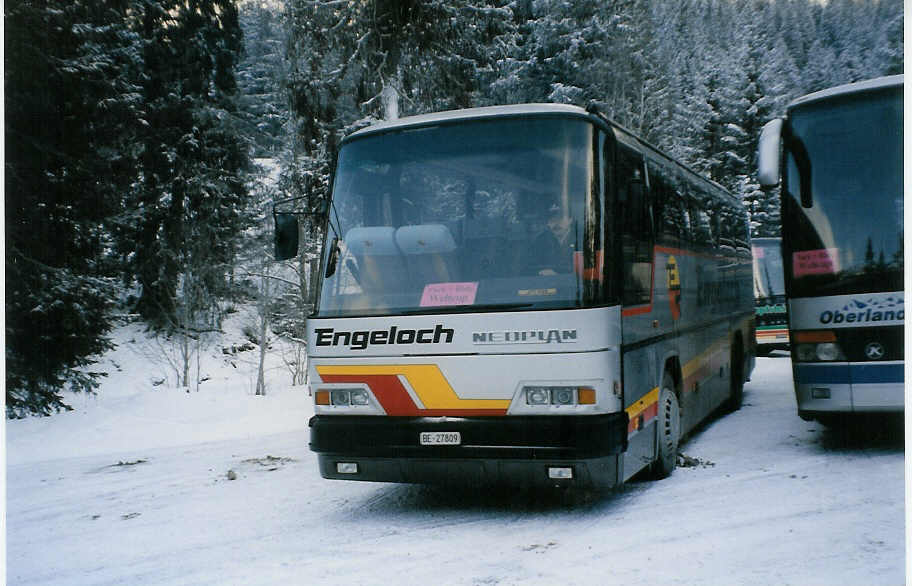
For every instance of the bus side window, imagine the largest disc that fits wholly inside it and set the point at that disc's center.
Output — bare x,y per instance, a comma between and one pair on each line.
715,231
637,235
701,223
737,229
727,227
687,227
743,234
669,221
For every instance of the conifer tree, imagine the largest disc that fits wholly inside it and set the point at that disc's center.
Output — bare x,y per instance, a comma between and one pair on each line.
70,118
260,74
194,156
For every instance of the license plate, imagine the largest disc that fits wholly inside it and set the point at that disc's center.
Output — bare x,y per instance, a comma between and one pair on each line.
440,438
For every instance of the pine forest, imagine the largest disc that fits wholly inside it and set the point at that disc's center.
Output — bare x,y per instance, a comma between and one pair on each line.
146,140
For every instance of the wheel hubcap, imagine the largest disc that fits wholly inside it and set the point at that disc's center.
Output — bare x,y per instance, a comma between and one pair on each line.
671,422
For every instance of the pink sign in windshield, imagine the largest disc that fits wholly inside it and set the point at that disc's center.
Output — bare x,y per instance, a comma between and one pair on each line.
449,294
815,262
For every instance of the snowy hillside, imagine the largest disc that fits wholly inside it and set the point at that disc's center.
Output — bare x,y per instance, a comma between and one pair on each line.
139,408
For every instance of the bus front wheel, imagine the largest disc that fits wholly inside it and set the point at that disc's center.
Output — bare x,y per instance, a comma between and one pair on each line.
668,430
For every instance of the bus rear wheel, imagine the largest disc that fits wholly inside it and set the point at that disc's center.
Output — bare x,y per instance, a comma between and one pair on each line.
668,433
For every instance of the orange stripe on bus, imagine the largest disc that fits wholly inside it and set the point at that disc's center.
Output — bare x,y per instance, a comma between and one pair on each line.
815,336
428,382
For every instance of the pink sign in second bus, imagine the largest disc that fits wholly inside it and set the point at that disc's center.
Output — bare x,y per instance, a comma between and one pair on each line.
824,261
437,294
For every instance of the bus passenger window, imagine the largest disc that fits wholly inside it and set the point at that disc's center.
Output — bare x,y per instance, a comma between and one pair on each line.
669,217
637,235
726,228
702,227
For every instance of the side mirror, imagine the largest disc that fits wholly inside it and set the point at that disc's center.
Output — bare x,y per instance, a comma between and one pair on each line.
287,225
768,154
286,235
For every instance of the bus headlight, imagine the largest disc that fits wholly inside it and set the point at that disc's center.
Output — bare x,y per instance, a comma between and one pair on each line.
359,397
334,399
561,396
806,352
827,351
817,346
538,396
542,396
340,397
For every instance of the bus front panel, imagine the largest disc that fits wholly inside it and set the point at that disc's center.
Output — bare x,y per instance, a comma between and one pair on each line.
500,398
848,353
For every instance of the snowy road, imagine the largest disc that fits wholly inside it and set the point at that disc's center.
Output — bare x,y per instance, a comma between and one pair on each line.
771,499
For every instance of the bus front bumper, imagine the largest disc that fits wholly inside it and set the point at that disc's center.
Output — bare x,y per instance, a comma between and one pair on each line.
870,387
582,451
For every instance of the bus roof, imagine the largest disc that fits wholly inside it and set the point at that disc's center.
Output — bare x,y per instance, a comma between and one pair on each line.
850,88
470,114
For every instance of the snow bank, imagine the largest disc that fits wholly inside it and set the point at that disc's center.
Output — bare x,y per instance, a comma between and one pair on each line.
138,407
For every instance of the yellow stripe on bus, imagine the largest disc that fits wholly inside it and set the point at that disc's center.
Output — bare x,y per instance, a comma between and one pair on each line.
644,403
427,381
703,359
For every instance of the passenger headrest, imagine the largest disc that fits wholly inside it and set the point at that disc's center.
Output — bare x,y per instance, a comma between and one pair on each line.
369,240
425,239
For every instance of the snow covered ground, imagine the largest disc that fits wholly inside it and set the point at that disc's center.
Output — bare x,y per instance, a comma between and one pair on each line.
147,484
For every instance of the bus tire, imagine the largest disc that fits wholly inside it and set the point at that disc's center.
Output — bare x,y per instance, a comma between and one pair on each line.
668,430
736,384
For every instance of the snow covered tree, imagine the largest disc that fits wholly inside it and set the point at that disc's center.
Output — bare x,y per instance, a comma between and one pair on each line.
351,63
70,119
889,46
382,58
260,76
191,192
569,53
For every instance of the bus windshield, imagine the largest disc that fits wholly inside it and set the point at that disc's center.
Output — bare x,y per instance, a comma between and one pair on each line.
769,278
850,240
468,216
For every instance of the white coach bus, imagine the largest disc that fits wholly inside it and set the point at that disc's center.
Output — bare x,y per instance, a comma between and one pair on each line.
525,294
842,244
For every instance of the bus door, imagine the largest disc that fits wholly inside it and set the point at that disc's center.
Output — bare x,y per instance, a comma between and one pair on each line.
634,215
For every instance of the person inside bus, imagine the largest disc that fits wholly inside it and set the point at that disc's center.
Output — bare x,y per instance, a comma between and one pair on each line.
552,248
